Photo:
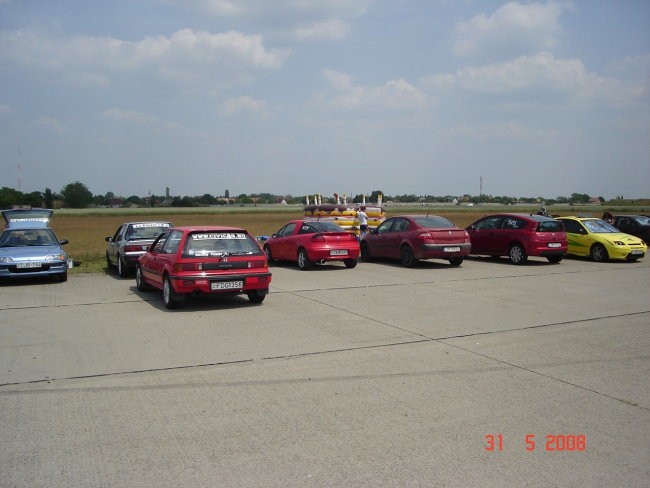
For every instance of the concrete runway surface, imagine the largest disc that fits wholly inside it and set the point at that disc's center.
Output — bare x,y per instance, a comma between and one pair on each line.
487,375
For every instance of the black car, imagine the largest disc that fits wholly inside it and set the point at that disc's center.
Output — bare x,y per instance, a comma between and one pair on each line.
636,225
131,241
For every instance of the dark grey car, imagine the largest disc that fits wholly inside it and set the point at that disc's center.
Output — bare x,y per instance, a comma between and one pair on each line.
130,241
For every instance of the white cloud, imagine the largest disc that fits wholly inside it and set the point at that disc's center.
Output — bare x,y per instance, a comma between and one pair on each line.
332,29
243,105
51,124
130,116
540,79
185,56
393,96
513,30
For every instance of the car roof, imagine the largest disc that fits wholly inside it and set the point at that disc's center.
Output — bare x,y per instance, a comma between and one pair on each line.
576,217
209,228
27,218
536,217
162,222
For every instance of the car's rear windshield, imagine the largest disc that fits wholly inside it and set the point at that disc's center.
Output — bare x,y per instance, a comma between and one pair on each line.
146,230
550,226
320,226
199,244
433,222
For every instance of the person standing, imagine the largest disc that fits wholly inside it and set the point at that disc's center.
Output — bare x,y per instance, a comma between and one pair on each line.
362,217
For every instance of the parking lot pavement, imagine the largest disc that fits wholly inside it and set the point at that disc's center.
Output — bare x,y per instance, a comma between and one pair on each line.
484,375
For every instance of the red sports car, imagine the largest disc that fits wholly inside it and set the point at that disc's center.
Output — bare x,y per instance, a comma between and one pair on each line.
410,238
204,260
313,241
519,236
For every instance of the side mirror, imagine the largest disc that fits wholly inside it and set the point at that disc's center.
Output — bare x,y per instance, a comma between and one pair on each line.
472,227
108,239
63,241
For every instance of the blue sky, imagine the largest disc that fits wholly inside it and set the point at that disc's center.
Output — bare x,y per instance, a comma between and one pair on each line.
306,96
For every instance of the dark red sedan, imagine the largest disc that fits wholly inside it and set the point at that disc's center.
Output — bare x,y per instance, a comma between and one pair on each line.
519,236
204,260
313,241
410,238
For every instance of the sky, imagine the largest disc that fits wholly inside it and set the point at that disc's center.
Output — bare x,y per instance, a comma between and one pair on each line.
296,97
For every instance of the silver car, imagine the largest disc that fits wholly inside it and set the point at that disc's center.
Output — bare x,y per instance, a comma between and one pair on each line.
130,241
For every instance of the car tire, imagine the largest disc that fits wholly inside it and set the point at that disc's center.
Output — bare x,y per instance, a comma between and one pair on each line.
407,257
554,259
170,297
517,254
140,283
365,252
598,253
456,261
304,263
121,267
350,263
269,256
257,296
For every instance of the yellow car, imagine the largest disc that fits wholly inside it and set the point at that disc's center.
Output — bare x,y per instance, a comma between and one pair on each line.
593,237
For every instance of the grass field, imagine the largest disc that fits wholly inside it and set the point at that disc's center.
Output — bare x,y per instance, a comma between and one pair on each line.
86,229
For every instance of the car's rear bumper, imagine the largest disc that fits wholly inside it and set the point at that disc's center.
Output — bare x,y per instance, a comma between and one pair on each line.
201,283
443,251
331,254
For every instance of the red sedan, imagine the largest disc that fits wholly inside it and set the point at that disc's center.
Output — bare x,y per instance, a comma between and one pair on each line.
519,236
410,238
204,260
313,241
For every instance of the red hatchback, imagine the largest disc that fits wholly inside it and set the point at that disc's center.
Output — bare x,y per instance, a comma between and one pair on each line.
204,260
410,238
313,241
519,236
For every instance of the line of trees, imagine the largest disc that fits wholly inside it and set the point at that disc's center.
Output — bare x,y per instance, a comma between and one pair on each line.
77,195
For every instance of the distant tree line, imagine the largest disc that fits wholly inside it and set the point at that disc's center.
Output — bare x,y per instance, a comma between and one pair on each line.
77,195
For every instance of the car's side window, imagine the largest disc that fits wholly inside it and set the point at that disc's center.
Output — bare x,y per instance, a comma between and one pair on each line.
400,225
489,223
158,245
573,227
386,226
118,233
513,223
172,243
288,229
307,229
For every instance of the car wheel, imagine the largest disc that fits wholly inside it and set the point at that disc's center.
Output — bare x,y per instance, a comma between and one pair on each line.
365,252
599,253
350,263
554,259
269,256
517,254
407,257
121,267
304,263
170,297
140,283
256,296
456,261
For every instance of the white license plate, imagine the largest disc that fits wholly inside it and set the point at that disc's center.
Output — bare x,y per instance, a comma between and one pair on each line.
554,244
637,251
226,285
339,252
28,265
451,249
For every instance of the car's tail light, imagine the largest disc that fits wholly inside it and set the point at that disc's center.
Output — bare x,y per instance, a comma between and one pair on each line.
467,238
132,248
318,237
260,263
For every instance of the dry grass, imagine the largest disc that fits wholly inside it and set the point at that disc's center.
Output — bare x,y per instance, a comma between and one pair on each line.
86,230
